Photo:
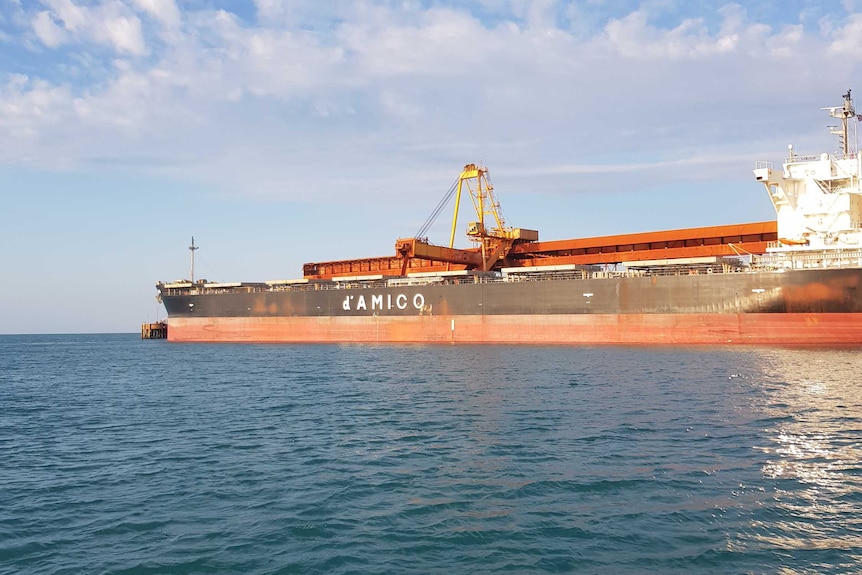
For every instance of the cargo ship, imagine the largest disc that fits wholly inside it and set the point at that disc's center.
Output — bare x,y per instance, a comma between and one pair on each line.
794,280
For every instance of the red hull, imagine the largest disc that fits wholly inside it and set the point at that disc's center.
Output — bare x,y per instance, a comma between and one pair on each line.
751,328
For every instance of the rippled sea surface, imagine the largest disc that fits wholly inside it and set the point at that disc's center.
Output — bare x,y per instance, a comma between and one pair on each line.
125,456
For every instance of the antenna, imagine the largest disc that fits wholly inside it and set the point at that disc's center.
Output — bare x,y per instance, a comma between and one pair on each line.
192,249
844,113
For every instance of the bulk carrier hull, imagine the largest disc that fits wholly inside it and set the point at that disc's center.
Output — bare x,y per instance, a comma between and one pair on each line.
810,307
797,280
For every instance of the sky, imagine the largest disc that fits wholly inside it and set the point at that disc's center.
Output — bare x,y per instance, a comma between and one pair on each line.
280,133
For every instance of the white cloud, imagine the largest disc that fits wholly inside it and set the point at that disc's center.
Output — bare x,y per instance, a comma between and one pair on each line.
442,43
123,33
74,17
633,37
110,23
787,43
29,110
411,85
848,40
270,9
539,14
165,11
47,31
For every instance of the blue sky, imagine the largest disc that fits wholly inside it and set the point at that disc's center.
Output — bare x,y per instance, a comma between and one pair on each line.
279,133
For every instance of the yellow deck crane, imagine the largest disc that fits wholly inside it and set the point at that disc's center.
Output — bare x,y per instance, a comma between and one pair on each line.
493,240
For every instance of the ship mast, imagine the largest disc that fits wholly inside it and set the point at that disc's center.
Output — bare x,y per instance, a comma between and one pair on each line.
844,113
192,249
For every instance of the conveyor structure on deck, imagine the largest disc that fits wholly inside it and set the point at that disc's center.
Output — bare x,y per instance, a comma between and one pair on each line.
726,240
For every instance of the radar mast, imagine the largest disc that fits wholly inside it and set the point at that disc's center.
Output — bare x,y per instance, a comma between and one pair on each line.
192,249
844,113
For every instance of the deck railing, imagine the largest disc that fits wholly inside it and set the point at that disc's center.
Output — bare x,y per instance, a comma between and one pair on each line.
809,260
475,279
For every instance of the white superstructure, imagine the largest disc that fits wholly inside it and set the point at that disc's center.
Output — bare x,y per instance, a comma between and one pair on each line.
818,199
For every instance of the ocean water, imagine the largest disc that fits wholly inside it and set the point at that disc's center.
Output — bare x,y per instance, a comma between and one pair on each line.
124,456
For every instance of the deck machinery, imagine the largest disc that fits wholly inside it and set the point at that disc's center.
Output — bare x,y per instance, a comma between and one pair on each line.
499,245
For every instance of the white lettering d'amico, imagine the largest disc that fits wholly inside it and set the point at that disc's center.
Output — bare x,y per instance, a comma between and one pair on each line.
401,302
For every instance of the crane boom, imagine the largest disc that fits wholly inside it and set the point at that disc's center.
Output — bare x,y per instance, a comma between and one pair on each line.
493,242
